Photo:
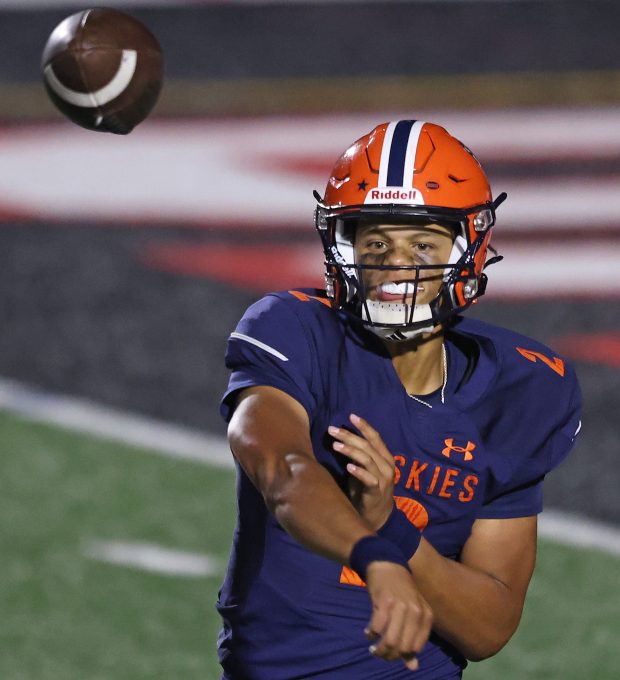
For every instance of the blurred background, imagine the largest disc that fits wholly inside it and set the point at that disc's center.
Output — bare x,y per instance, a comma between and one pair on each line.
127,261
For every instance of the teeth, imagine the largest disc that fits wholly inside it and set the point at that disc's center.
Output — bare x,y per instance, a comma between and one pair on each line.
404,288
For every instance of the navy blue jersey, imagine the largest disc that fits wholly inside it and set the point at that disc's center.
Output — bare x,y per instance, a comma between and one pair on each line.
511,414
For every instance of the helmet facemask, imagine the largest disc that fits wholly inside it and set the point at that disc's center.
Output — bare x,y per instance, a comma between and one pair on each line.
462,280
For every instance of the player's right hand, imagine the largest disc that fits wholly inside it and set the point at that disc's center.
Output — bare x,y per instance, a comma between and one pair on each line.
401,620
371,484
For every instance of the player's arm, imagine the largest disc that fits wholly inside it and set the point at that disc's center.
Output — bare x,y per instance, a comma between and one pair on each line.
477,601
269,436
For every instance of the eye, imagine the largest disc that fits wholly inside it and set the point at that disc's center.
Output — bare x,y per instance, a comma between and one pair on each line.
424,247
375,245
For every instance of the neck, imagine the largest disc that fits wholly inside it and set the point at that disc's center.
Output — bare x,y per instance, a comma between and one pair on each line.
419,362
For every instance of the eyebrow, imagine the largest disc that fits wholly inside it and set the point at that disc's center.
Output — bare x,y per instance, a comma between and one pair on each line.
416,231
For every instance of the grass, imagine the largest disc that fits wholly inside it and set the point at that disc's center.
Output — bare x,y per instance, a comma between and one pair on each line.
65,617
571,621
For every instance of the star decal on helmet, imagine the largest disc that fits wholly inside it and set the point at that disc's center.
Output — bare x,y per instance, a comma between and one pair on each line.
363,185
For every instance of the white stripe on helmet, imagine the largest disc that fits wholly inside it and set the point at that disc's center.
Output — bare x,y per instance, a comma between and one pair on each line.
385,154
412,148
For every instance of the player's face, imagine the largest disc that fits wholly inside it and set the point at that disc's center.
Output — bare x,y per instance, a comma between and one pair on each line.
398,246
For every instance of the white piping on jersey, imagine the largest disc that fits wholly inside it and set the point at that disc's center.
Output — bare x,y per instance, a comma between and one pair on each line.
578,429
385,154
412,148
258,343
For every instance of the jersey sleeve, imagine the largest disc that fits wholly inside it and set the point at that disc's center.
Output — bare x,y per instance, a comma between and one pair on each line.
270,347
522,501
540,443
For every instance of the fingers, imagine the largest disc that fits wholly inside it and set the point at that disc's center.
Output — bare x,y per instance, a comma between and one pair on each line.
351,444
424,629
401,621
372,436
365,477
411,661
388,646
378,621
356,448
404,634
369,452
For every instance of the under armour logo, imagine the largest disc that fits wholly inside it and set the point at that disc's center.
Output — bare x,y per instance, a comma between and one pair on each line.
466,451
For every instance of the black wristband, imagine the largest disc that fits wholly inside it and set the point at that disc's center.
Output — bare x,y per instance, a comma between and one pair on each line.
402,532
374,549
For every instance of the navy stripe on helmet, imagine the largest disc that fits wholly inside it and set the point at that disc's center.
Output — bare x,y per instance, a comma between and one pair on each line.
398,151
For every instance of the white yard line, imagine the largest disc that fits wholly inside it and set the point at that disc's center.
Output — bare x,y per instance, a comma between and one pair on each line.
579,531
153,558
82,415
180,442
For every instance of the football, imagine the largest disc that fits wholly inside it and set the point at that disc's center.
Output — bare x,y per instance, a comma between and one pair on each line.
103,69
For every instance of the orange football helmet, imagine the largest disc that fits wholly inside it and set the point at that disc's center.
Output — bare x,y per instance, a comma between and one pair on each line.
407,172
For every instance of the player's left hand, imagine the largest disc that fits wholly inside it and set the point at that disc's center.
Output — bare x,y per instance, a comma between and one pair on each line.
371,485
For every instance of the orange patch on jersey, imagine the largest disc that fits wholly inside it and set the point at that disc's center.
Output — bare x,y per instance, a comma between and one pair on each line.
418,516
555,364
350,577
306,298
416,513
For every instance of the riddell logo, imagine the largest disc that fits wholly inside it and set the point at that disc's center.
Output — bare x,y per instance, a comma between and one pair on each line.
394,195
465,451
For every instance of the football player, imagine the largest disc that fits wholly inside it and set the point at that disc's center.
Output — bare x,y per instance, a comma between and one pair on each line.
391,452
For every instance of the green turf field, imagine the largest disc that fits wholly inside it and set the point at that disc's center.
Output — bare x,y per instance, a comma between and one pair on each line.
66,617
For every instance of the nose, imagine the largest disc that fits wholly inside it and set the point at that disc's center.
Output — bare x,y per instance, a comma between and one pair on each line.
400,255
